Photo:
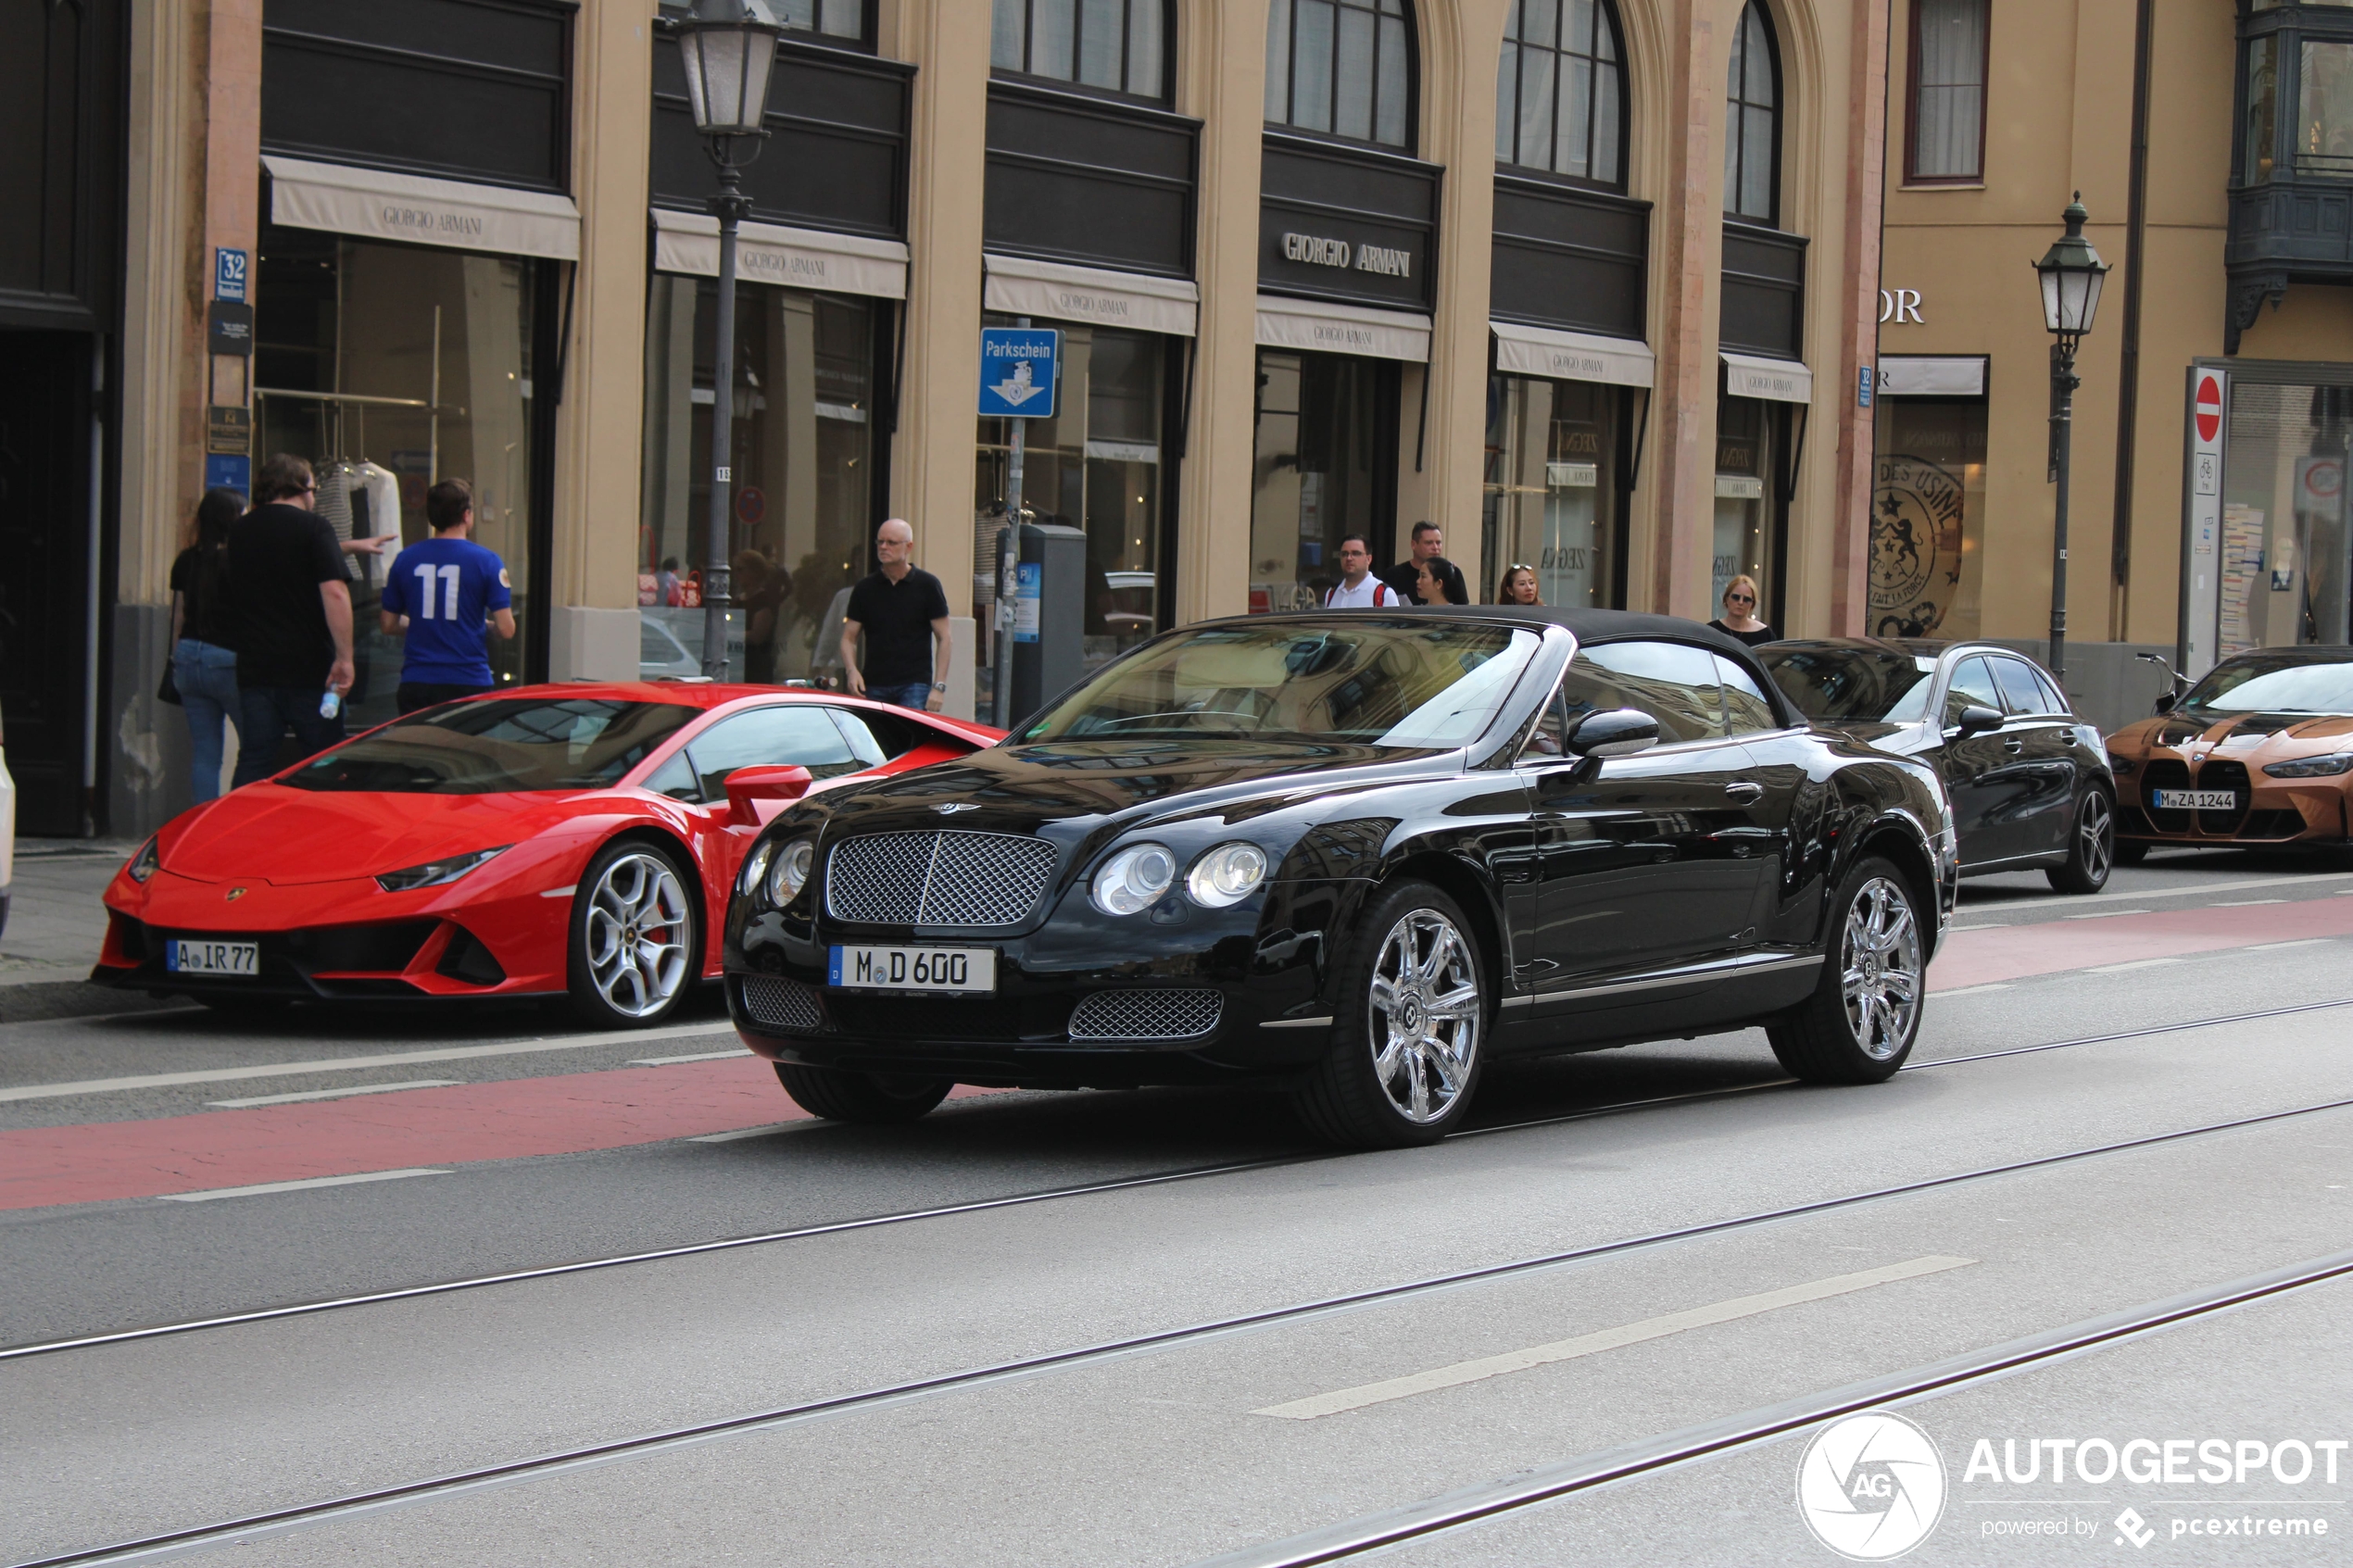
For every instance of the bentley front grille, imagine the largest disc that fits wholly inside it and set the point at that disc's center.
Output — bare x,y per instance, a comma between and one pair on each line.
1147,1015
937,878
778,1003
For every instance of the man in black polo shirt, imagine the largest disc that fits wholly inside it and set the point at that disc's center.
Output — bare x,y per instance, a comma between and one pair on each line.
292,605
1429,543
904,611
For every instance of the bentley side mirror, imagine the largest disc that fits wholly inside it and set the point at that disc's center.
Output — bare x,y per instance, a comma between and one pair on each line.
1974,720
1617,732
754,795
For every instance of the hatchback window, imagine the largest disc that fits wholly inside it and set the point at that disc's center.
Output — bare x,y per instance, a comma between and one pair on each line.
1675,684
2021,693
799,736
1972,687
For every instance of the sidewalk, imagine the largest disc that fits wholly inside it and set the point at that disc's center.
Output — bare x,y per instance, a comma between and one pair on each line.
55,924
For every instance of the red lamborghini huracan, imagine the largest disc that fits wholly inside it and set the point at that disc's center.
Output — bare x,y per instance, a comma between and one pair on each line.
568,840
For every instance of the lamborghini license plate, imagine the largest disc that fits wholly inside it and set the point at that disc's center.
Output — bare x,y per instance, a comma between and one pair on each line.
212,957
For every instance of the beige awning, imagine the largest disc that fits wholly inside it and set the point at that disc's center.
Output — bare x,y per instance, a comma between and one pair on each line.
770,253
378,205
1546,351
1322,328
1017,286
1777,381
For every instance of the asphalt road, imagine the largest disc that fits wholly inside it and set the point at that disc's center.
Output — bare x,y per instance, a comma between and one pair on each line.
1642,1286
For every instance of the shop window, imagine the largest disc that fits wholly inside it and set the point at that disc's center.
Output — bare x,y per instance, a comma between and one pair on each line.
1928,517
391,368
1324,468
1116,46
1341,68
1095,465
1948,90
1747,536
2259,152
1752,119
804,460
1560,90
2325,108
1552,496
2285,536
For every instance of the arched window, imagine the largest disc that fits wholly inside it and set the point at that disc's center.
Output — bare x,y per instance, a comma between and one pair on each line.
1344,67
1752,120
1560,90
1117,45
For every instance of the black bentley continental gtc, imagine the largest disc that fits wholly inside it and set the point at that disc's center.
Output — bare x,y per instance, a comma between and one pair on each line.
1355,855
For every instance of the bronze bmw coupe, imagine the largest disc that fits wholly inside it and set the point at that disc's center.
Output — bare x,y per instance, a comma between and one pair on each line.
2258,753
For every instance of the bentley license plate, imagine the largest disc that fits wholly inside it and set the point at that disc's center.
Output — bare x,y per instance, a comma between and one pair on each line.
949,970
2195,799
212,957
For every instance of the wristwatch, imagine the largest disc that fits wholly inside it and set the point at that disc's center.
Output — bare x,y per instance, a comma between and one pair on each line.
939,685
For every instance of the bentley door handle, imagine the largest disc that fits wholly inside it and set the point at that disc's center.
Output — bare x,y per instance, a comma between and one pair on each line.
2014,747
1746,791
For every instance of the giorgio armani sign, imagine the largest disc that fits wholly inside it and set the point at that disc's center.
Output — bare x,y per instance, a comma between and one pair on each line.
1346,224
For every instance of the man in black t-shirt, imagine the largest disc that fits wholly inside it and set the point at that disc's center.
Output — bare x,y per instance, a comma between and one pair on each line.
292,607
1429,543
904,611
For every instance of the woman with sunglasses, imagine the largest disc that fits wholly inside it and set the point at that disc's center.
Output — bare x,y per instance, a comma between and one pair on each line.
1519,586
1739,619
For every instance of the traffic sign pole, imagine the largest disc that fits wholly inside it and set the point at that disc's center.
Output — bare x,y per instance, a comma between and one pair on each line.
1008,567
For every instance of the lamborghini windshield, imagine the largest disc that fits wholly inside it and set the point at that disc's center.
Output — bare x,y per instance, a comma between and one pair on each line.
1358,679
496,746
2275,682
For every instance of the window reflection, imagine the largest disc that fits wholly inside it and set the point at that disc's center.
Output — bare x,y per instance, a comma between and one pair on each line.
2325,108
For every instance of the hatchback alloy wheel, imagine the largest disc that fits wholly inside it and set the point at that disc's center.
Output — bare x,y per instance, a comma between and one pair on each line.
1424,1016
1881,969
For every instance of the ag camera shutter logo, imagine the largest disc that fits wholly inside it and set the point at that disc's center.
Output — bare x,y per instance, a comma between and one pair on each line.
1871,1486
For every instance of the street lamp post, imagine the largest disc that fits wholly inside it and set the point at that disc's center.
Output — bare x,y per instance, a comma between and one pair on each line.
728,47
2070,274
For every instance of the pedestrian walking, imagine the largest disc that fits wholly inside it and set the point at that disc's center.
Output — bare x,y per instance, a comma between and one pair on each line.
1429,543
904,611
1739,619
1430,576
443,590
1519,586
203,648
1357,587
290,607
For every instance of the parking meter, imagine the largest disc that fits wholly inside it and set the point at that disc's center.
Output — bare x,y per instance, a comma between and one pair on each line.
1050,616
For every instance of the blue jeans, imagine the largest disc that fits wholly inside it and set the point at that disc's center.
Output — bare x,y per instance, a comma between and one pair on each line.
207,677
915,695
271,711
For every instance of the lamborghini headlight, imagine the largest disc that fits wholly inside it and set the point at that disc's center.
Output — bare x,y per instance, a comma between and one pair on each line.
437,873
146,863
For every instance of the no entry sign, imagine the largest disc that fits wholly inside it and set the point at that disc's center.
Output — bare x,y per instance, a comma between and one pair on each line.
2208,408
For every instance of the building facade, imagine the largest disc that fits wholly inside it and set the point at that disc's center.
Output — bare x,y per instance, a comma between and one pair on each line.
2213,146
1590,283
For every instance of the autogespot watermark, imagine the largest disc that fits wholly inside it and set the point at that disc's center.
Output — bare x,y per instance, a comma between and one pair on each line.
1874,1485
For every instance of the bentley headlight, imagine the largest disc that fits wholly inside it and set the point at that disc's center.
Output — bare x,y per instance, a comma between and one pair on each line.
434,873
1134,879
790,874
755,867
2312,767
1227,874
146,863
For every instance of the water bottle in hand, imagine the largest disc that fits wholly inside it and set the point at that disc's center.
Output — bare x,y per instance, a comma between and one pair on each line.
331,704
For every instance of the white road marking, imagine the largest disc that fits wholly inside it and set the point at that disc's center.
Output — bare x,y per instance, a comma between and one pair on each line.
1606,1339
1997,925
1998,908
2250,903
2106,914
353,1063
2122,967
746,1132
296,1186
334,1093
700,1056
2275,946
1973,990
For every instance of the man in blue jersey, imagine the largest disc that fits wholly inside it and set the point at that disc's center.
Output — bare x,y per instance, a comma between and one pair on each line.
446,589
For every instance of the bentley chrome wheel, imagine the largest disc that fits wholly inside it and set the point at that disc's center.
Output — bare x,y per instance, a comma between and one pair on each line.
1880,960
1424,1013
639,932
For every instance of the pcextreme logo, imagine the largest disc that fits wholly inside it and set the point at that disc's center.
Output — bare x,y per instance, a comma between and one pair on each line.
1871,1486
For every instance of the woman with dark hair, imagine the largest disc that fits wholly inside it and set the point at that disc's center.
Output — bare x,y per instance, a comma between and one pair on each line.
1430,576
1519,586
204,640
